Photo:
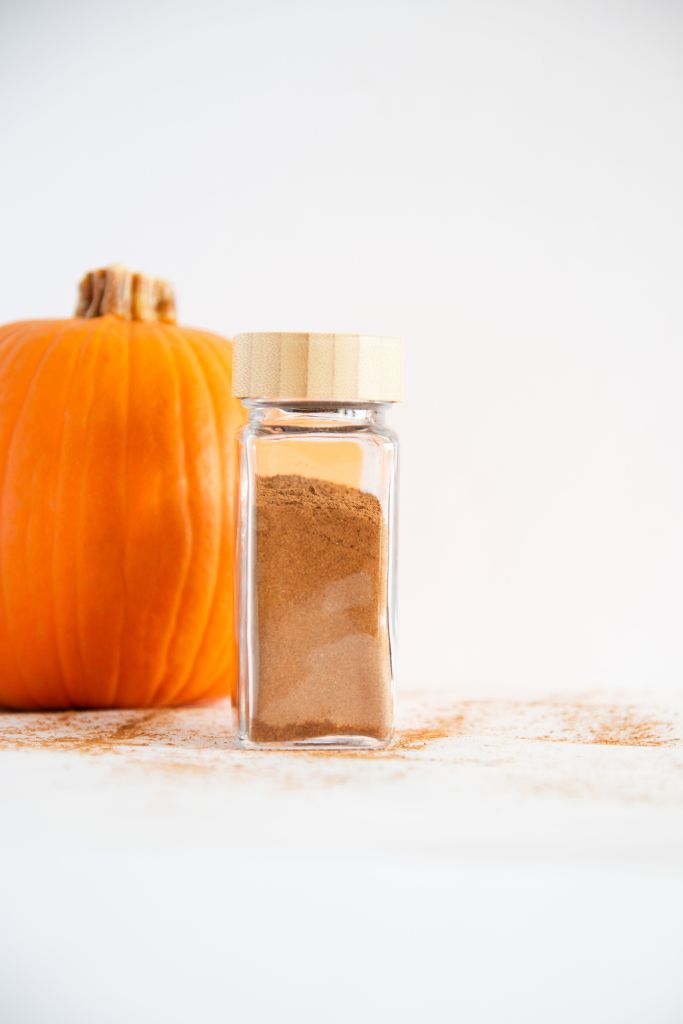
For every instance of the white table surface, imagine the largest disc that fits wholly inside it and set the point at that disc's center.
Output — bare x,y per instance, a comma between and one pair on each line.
506,861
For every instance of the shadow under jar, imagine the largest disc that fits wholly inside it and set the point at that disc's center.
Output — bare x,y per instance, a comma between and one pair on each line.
316,539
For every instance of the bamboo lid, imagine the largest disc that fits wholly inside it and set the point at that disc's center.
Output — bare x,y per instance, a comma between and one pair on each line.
318,367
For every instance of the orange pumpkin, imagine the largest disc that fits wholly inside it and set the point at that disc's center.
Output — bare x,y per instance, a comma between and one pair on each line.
116,504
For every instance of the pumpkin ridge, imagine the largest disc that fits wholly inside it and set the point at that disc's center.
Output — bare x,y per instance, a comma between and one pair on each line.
127,346
222,650
63,514
25,330
11,441
139,657
204,342
222,356
203,382
178,689
59,463
80,518
9,334
6,352
162,334
224,367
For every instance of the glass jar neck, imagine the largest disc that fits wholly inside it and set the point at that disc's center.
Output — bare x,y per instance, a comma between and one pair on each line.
315,414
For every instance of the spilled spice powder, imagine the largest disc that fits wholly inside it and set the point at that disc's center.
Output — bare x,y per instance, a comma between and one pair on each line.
613,726
323,641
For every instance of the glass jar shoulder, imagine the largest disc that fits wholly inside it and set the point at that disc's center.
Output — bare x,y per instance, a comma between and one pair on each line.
276,424
382,437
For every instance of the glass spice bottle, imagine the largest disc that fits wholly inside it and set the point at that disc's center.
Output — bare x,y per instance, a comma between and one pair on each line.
316,561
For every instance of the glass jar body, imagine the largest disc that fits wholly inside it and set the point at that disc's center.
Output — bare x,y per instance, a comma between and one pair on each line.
316,575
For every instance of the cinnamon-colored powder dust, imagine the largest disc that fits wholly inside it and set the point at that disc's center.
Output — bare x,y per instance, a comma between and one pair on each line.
323,660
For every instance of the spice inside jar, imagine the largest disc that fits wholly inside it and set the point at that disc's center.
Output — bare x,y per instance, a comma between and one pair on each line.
325,666
316,540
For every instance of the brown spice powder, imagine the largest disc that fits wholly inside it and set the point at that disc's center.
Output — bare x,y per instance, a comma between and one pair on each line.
324,665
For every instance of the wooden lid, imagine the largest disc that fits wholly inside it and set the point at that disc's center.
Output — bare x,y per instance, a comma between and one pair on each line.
318,367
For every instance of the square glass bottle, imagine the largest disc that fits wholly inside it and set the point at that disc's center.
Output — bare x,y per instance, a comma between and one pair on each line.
316,539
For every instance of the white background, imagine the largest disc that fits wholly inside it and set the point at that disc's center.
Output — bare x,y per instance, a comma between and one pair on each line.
498,183
501,184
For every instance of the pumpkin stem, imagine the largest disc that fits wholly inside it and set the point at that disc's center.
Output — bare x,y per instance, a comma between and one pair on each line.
119,292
